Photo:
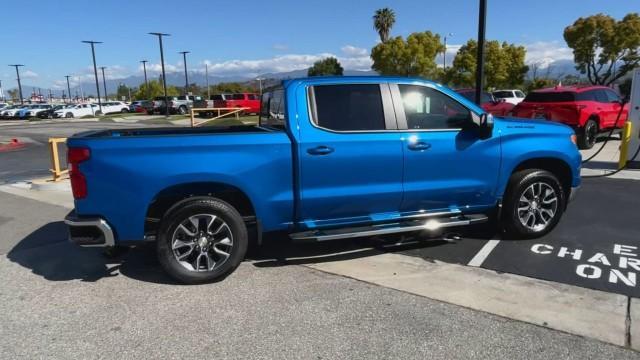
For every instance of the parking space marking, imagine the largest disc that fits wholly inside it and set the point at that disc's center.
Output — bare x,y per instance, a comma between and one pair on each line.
479,258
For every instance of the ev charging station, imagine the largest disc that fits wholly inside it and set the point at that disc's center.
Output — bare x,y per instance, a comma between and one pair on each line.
634,118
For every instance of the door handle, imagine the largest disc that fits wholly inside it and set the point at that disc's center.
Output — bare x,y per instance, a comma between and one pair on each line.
419,146
320,150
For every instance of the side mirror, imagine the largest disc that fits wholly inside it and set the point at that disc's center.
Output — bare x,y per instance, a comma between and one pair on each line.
486,125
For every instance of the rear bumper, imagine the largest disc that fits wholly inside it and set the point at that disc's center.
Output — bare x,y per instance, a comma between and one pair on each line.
92,231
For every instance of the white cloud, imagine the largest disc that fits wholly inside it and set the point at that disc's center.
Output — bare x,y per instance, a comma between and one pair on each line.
28,74
352,51
544,53
281,63
280,47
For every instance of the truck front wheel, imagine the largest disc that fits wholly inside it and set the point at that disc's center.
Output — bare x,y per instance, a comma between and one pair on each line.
533,204
201,241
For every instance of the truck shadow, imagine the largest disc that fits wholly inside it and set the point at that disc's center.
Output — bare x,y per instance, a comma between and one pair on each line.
47,253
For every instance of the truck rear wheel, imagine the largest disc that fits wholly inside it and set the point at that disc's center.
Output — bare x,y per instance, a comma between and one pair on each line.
533,204
201,241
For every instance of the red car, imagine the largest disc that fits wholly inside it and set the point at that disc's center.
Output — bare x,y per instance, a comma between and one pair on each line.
488,102
588,109
248,100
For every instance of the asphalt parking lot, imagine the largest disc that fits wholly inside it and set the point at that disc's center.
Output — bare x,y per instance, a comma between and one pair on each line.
77,303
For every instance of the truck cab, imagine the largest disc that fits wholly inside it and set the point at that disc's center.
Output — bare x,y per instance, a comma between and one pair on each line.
331,158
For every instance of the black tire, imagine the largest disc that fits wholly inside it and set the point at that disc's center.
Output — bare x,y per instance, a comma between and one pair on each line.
587,138
124,111
68,115
182,110
520,183
182,213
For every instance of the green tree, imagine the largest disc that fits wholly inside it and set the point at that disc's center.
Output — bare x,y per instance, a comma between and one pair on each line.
13,94
154,90
414,57
232,87
540,83
604,49
326,66
504,65
383,21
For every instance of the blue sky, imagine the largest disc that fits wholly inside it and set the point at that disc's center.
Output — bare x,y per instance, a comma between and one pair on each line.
252,37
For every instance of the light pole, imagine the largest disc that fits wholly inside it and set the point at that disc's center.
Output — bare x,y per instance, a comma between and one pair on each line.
482,25
260,84
95,68
68,87
104,83
146,83
164,77
444,53
206,75
186,76
18,78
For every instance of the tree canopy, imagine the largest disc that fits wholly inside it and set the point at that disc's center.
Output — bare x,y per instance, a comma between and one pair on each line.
326,66
504,65
383,20
154,90
604,49
415,56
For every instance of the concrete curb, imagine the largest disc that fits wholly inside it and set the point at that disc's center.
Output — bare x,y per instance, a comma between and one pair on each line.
590,313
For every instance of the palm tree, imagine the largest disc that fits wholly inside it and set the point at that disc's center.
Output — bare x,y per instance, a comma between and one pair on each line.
383,20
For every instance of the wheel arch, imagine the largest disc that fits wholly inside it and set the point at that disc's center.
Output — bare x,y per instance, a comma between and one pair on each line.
559,167
172,196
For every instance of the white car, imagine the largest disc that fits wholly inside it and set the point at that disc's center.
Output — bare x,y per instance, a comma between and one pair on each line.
79,110
511,96
11,111
111,107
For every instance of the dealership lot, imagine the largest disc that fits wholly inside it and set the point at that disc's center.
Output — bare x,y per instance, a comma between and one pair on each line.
285,302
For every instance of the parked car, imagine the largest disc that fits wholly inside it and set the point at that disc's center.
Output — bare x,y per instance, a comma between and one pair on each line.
33,111
177,104
11,111
141,106
79,110
3,106
245,100
215,101
49,113
331,158
488,102
112,107
590,110
511,96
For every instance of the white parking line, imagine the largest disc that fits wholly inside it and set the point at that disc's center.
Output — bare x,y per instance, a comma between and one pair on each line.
483,253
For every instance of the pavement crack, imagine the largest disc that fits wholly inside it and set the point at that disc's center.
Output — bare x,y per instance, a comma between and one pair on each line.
627,323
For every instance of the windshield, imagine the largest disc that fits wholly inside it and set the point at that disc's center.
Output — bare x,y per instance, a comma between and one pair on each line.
503,94
556,96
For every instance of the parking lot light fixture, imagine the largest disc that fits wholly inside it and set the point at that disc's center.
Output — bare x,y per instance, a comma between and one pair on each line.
186,75
164,77
95,68
17,66
68,87
146,83
482,25
444,53
104,83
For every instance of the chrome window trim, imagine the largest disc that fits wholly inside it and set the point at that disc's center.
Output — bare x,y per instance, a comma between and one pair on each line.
387,110
402,118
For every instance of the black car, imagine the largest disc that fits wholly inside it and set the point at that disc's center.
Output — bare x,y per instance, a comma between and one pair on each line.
49,113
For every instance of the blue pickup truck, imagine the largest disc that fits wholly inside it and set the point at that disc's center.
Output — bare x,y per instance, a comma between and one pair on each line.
331,158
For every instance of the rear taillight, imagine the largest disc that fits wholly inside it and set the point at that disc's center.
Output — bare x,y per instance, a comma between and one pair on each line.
78,182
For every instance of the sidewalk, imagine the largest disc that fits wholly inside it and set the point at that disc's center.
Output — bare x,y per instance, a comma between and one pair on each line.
607,161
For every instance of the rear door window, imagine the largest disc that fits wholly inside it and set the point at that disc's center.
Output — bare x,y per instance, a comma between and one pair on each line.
272,109
349,107
601,96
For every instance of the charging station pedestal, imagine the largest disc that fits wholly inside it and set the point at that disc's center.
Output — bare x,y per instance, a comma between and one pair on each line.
634,117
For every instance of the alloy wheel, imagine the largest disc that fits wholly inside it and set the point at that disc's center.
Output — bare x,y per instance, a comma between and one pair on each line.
537,206
202,242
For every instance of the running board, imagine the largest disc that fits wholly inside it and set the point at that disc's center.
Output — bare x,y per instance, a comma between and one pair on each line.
432,225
